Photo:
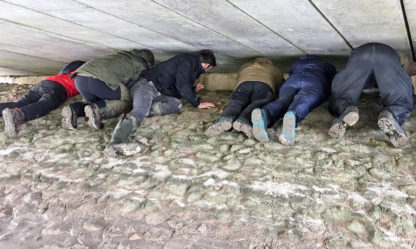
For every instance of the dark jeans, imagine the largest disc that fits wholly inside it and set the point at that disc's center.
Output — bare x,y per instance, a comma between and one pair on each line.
376,64
245,98
144,93
42,98
95,90
300,94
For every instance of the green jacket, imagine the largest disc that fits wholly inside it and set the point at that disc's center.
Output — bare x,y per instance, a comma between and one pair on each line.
115,69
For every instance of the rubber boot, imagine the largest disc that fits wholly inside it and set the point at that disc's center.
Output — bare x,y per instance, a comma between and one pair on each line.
125,127
111,109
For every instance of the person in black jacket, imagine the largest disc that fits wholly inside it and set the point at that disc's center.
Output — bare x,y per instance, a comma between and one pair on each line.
160,89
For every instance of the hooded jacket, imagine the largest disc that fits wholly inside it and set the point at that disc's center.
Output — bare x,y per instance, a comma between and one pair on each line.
115,69
176,77
260,69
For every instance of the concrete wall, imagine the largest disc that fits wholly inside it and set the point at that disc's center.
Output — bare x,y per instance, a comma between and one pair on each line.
38,37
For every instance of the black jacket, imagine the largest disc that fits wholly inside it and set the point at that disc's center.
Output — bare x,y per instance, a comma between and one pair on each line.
176,77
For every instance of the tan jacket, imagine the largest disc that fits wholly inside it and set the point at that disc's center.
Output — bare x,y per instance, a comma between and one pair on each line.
414,83
260,69
407,63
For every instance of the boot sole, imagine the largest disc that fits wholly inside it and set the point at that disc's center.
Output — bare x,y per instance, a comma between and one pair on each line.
246,129
287,136
92,118
217,129
9,126
67,118
397,137
337,130
259,129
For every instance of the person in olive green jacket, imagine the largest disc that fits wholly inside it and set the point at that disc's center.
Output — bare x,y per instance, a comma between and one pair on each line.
257,83
104,84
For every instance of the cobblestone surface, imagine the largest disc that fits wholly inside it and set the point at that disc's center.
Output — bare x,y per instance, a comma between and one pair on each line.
186,190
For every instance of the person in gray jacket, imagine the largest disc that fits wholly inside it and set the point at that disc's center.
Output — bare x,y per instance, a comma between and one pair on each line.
373,65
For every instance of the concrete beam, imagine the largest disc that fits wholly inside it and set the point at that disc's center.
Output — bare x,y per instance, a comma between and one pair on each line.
33,65
233,23
362,21
410,8
298,22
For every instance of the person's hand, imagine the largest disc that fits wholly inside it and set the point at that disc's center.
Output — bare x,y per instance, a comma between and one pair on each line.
205,105
199,87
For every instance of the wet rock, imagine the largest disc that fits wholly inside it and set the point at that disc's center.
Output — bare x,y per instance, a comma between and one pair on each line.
232,164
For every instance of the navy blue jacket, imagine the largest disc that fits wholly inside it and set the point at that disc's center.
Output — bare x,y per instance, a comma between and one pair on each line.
176,77
315,70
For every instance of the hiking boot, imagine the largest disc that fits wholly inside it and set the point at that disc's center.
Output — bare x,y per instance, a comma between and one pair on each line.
224,124
260,122
388,124
13,120
348,118
69,118
92,112
287,136
239,125
125,127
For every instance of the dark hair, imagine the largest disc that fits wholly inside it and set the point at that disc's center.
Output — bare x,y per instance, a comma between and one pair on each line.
207,56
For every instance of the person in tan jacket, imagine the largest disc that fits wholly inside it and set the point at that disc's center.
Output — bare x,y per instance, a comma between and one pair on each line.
257,83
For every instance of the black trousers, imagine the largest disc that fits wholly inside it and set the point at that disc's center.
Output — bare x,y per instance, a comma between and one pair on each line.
42,98
95,90
246,97
373,64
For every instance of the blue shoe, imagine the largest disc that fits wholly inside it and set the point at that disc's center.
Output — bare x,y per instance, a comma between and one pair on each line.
259,121
287,136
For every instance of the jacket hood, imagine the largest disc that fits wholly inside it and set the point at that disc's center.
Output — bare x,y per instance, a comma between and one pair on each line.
145,54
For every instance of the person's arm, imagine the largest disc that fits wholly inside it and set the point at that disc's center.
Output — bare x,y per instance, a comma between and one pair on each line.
71,66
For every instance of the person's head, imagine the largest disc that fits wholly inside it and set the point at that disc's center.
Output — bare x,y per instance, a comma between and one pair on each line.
414,68
207,59
146,54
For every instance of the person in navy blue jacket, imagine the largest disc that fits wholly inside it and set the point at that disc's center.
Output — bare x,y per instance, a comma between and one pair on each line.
161,88
308,85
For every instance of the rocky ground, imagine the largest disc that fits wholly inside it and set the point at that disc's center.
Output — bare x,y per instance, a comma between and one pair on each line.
181,189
